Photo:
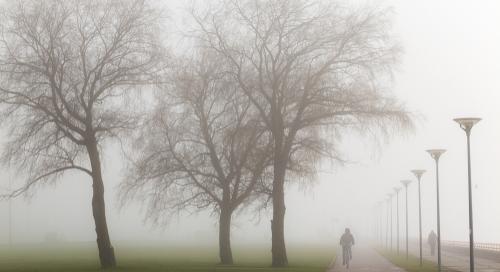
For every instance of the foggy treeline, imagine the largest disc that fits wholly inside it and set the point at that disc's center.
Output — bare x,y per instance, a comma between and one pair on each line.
257,95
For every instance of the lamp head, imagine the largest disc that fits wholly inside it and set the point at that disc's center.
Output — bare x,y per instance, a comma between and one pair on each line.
397,189
406,182
467,123
418,173
436,153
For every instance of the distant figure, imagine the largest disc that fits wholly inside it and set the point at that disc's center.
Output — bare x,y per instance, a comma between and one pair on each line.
431,240
346,241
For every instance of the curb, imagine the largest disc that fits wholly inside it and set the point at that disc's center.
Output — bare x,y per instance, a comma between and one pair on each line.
332,263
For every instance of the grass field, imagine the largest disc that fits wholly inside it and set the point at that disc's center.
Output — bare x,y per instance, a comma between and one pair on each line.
83,257
412,264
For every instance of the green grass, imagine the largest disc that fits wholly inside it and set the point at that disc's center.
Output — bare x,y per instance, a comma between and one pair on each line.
412,264
135,258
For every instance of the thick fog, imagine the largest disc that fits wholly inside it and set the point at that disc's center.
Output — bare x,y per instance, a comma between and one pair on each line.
450,68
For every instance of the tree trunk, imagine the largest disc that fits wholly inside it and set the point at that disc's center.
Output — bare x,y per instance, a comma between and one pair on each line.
106,251
226,255
278,223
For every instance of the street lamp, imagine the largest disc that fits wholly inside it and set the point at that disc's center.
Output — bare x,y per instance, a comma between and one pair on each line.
418,173
387,224
10,214
397,189
405,184
390,204
375,226
435,154
380,233
466,124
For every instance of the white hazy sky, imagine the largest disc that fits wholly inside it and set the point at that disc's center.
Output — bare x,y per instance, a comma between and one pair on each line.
451,68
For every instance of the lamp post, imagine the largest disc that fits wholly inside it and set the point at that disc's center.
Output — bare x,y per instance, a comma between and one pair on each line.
10,215
405,184
435,154
418,173
380,233
375,226
466,124
387,224
390,205
397,189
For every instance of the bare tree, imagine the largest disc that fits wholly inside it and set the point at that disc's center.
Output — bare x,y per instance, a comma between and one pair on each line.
203,148
310,67
67,68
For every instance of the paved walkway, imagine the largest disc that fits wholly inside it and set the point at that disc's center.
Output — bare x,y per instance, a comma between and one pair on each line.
364,259
457,261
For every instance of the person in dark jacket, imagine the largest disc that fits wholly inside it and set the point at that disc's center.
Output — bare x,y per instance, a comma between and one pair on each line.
431,240
346,241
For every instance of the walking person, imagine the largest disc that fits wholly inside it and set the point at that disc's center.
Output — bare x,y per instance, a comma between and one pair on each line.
346,241
431,240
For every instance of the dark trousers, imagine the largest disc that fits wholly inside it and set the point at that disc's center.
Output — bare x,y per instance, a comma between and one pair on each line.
347,254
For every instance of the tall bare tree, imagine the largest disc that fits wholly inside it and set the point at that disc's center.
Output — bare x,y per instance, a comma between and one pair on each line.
203,148
309,67
67,68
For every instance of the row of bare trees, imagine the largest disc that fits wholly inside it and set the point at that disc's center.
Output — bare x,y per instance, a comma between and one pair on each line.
260,94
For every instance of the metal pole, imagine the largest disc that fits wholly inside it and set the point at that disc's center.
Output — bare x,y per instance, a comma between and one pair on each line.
374,224
471,225
379,223
392,247
420,221
387,228
397,219
406,191
381,219
377,233
10,216
466,124
438,216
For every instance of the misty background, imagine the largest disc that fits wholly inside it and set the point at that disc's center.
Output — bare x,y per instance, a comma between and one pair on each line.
451,68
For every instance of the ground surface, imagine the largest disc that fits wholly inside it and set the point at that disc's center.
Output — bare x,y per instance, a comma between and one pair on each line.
412,264
458,259
135,258
365,259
